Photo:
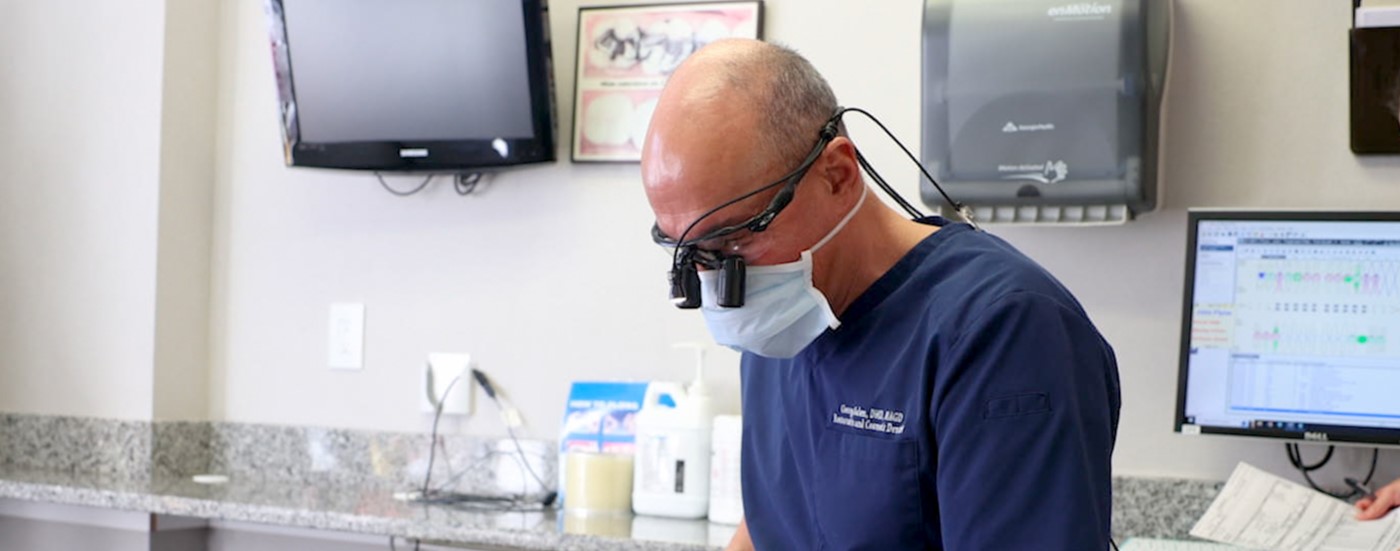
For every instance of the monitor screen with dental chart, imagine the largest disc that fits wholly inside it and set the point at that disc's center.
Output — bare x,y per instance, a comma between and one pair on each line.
1290,321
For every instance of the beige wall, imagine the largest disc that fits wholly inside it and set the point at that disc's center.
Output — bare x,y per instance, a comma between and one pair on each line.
107,143
189,91
547,276
79,142
1257,117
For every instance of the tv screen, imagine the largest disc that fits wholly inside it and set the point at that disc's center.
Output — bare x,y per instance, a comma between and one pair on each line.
413,85
1287,326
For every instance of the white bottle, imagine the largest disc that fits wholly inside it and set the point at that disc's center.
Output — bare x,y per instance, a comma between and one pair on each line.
726,496
672,476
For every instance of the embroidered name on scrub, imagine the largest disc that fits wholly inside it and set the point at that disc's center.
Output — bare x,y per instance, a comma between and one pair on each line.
874,420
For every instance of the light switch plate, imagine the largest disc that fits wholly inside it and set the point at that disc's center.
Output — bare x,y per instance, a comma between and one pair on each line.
345,347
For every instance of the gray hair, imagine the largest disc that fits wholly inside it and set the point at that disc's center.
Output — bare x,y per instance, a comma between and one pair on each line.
793,98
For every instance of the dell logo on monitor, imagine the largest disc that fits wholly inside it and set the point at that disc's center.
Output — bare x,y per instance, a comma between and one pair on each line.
413,153
1315,436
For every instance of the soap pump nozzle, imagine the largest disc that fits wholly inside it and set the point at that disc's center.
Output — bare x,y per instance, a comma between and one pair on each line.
697,387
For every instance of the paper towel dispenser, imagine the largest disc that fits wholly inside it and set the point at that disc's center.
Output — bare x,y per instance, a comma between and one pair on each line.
1044,111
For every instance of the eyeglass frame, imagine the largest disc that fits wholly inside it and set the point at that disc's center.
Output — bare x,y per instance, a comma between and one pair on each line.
759,222
684,276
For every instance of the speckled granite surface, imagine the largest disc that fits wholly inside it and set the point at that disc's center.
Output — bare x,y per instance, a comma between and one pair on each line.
117,449
139,450
344,480
366,457
322,503
328,479
1159,507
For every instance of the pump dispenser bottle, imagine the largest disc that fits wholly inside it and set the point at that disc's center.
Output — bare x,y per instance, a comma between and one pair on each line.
672,474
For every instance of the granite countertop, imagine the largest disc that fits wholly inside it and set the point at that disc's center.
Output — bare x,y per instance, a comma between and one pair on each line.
344,480
364,509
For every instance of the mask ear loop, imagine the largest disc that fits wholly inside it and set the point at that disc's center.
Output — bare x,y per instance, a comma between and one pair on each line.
832,321
864,191
962,209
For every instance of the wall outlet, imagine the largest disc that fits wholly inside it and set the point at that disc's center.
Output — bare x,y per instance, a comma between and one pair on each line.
345,344
439,372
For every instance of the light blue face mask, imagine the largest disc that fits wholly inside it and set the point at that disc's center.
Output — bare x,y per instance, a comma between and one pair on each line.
782,312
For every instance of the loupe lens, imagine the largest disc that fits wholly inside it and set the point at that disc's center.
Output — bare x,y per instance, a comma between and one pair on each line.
731,282
685,287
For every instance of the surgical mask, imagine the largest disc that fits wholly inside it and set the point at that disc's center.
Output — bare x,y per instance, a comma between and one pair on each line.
782,313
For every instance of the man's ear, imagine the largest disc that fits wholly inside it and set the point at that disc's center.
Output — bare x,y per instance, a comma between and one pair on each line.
839,168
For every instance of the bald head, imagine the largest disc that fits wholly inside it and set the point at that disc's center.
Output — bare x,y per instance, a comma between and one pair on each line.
776,94
739,115
734,116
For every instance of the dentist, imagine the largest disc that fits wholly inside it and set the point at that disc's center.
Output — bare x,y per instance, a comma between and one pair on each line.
907,384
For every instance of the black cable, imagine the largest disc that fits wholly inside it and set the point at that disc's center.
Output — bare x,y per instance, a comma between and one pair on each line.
466,183
1113,543
473,502
1375,454
1315,486
490,391
415,190
889,190
885,186
960,208
432,445
784,181
1295,457
394,547
437,496
525,460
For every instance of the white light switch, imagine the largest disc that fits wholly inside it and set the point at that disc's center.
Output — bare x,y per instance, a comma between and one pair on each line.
346,343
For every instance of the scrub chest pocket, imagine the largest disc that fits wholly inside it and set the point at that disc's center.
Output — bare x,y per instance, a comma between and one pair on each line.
867,491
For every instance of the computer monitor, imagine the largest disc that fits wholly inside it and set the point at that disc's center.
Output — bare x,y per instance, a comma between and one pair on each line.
1291,326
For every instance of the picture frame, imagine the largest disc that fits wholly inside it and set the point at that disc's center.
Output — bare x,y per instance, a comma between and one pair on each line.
625,53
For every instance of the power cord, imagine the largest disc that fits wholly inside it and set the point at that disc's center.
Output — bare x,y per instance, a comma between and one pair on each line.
432,445
511,419
1295,458
433,436
407,193
439,495
466,183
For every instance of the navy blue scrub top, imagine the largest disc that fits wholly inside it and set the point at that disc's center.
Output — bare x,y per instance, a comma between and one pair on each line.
966,402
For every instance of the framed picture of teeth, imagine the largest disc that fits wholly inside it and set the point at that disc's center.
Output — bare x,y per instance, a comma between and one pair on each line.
625,54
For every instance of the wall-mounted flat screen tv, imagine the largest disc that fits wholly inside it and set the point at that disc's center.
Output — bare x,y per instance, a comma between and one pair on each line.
412,85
